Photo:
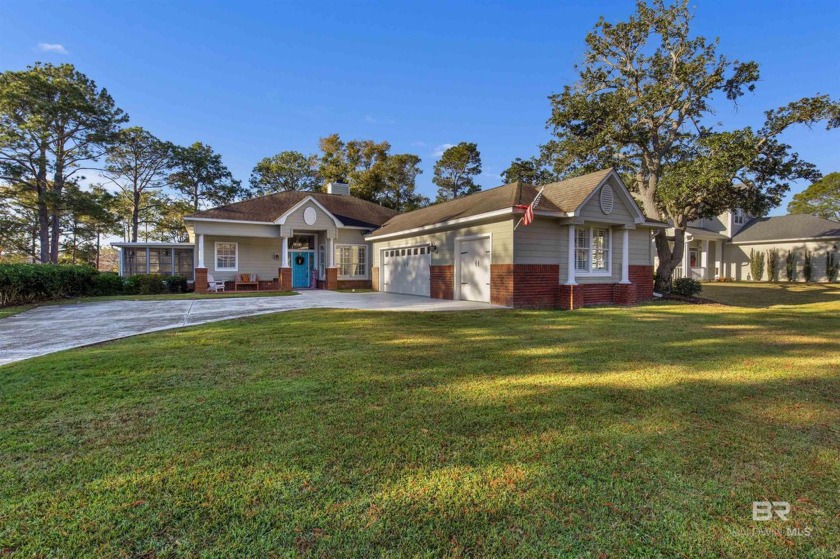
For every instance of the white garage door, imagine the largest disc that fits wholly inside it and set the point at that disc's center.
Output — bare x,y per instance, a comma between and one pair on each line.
406,270
475,270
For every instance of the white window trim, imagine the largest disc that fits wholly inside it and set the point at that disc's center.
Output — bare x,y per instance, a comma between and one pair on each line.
216,256
588,273
338,261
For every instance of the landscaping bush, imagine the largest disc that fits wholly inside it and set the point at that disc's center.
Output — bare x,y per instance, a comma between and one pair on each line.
790,266
756,264
773,264
176,284
807,268
108,283
31,283
686,287
152,284
831,267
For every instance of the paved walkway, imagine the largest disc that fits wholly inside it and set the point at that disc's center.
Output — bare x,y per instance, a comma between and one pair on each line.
54,328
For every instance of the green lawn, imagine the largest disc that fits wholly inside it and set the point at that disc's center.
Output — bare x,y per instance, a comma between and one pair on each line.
607,432
744,294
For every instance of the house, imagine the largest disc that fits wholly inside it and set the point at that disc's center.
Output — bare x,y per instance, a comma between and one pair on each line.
589,244
720,247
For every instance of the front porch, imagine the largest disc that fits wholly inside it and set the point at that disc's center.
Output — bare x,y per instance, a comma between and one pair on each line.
702,255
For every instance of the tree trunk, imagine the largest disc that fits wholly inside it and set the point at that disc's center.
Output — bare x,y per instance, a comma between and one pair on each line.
55,219
135,216
97,249
669,258
43,210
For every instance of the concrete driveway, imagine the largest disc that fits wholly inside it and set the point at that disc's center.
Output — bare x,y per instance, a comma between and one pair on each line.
57,327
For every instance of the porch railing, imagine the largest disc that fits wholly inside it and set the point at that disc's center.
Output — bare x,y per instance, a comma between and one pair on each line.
698,273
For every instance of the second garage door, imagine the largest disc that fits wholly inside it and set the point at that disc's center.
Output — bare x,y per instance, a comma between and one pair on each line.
406,270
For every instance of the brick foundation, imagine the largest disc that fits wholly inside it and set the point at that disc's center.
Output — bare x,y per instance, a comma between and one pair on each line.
285,277
535,285
374,278
201,280
501,284
353,284
441,282
569,297
332,278
642,278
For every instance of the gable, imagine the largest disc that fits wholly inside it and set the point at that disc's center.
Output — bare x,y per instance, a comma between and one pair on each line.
610,202
308,214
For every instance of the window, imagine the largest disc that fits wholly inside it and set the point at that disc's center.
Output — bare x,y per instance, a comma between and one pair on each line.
227,257
302,242
352,261
738,217
135,261
592,250
160,261
322,259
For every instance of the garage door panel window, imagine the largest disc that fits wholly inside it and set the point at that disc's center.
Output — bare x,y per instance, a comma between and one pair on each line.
592,250
352,261
227,256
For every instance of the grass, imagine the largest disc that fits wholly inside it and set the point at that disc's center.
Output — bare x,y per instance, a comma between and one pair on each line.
6,312
607,432
744,294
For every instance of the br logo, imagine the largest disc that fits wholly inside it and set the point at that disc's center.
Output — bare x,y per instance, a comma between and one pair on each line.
764,510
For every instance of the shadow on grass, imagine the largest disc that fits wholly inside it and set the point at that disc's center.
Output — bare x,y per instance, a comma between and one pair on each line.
642,431
766,294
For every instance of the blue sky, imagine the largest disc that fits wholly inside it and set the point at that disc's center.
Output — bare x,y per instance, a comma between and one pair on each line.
252,79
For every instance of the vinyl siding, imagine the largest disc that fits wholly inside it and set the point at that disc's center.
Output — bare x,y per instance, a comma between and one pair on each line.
256,256
323,221
502,242
621,213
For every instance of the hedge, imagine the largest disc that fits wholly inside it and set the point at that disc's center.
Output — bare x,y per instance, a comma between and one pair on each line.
33,283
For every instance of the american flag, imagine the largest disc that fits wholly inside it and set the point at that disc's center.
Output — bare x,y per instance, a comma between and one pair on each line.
528,218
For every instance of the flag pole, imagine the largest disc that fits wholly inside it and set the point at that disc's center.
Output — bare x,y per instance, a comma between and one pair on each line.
537,200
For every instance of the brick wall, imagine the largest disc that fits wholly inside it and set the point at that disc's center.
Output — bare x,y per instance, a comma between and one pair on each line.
201,280
501,284
353,284
332,278
374,278
642,278
285,276
535,285
442,279
569,297
598,293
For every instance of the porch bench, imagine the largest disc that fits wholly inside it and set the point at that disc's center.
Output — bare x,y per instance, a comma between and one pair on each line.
246,280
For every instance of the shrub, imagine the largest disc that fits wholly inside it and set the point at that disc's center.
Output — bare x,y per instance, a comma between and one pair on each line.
31,283
131,285
831,266
790,266
756,264
176,284
773,264
108,283
151,284
807,268
687,287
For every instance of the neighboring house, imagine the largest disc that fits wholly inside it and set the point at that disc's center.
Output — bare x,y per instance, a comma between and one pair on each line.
720,247
589,244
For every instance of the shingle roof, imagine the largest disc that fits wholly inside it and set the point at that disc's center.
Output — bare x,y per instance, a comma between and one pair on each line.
787,227
349,210
563,196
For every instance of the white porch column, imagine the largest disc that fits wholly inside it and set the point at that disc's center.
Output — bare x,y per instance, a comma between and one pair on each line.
330,252
625,256
686,264
201,250
704,258
719,258
284,252
570,273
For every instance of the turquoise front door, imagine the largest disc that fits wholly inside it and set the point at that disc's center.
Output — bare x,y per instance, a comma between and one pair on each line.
301,268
